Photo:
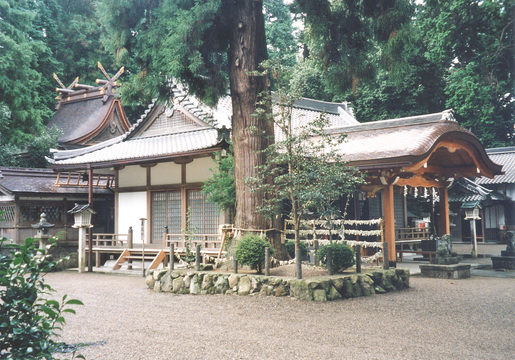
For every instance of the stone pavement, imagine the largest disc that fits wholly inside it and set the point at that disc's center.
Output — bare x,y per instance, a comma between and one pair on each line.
481,266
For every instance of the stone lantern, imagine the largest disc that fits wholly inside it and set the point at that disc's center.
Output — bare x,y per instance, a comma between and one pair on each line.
82,214
42,231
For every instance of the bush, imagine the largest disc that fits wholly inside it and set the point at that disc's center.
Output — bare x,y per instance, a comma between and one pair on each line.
290,248
27,320
250,250
343,256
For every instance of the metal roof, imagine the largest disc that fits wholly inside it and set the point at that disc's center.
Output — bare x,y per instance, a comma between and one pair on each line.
505,157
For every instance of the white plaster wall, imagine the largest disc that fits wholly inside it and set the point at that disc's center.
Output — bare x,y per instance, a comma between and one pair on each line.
198,170
132,207
134,175
510,191
166,174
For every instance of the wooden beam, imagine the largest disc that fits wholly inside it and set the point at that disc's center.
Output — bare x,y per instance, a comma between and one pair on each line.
389,221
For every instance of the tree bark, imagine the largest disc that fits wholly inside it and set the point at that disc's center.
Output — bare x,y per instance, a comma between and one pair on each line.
247,51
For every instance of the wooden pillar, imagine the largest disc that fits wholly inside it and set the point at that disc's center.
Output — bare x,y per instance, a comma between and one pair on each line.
389,222
445,228
90,230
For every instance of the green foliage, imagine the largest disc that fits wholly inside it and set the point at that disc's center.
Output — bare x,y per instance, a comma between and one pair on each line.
290,248
304,167
28,321
219,188
250,250
343,256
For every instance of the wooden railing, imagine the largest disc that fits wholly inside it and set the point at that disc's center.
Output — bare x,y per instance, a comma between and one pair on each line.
111,241
210,242
411,234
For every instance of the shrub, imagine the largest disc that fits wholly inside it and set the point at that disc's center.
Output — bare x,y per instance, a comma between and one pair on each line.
343,256
290,248
27,320
250,250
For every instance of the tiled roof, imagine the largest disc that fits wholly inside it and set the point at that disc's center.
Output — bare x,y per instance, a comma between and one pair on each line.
149,147
463,189
38,181
400,141
505,157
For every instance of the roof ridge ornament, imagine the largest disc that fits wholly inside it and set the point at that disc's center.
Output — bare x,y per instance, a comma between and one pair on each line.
448,115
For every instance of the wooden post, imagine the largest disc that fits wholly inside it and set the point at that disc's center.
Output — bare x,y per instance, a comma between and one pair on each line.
143,245
386,263
357,251
445,227
197,257
474,237
172,255
234,265
315,250
389,222
267,261
90,230
130,244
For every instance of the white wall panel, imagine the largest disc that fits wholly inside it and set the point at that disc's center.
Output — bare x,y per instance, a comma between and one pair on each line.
198,170
132,207
134,175
166,174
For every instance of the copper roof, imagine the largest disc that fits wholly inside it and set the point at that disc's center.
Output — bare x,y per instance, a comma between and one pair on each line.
505,157
404,141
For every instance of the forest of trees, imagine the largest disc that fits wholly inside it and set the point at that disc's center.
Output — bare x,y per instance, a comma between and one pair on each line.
389,58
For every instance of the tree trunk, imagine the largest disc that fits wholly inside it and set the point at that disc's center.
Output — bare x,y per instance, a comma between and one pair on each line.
247,51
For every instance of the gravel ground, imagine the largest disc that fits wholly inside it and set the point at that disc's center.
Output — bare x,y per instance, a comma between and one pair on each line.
435,319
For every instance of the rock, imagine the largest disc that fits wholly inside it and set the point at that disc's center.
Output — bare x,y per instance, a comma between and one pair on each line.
166,283
300,290
319,295
367,279
354,279
187,281
244,285
377,276
255,284
221,285
338,284
207,282
333,294
229,292
157,286
274,281
380,290
158,274
356,290
233,280
175,274
150,281
347,290
266,290
177,284
366,289
281,291
207,267
195,285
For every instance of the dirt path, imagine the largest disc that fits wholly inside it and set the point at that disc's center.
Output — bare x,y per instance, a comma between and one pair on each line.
435,319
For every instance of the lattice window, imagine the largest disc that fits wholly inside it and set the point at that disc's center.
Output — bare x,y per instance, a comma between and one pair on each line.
166,210
7,213
204,216
32,213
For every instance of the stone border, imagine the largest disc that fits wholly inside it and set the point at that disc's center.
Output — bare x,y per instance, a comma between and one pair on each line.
319,289
456,271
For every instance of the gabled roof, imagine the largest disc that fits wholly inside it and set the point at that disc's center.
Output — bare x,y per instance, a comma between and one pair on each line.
506,157
407,141
463,190
37,182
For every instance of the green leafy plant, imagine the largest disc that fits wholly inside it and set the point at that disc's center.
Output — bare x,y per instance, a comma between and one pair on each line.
28,321
290,248
343,256
250,250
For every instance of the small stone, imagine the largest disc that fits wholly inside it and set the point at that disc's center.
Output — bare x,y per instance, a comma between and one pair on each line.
157,286
150,281
229,292
281,291
233,280
380,290
338,283
319,295
266,290
300,290
195,285
221,285
166,283
175,274
177,284
353,279
244,286
207,282
333,294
